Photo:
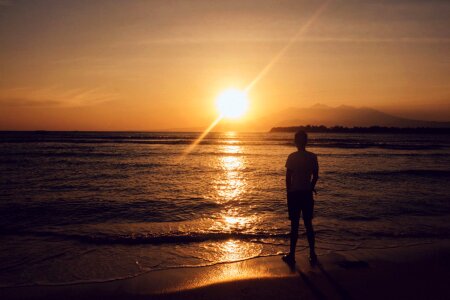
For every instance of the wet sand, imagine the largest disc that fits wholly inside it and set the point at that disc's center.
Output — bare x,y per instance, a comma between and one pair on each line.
412,272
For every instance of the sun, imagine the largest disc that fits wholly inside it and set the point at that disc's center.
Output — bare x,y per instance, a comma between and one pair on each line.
232,103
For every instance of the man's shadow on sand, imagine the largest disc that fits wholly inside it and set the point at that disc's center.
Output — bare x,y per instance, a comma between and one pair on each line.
342,292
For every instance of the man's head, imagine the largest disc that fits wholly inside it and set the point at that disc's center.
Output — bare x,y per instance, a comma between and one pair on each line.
301,138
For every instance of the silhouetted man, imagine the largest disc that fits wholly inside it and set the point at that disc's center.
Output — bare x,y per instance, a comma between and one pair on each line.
302,172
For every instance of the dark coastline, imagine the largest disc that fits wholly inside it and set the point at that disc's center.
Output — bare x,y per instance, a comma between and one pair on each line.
371,129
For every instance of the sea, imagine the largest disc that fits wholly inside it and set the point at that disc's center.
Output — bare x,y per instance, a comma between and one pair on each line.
99,206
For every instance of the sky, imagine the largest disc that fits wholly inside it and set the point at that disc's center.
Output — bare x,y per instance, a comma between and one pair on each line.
159,65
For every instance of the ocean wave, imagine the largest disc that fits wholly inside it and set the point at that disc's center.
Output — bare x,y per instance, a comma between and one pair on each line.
85,141
311,144
359,218
60,212
367,145
133,239
410,172
384,154
442,234
361,234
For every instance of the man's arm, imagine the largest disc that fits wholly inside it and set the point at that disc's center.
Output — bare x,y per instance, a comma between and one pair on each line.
288,179
315,175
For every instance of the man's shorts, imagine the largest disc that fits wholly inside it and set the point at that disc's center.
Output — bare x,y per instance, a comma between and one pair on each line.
300,202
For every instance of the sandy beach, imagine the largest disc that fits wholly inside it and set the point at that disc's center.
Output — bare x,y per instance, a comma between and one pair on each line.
412,272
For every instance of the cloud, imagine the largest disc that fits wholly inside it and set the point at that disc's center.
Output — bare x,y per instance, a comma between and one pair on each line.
309,39
54,97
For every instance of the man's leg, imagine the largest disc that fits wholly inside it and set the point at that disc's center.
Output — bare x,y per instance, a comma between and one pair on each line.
290,258
294,235
311,236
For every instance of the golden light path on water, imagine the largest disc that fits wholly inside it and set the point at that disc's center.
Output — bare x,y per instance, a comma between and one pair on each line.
230,186
263,72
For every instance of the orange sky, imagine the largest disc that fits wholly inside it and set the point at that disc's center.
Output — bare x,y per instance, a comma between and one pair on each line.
155,65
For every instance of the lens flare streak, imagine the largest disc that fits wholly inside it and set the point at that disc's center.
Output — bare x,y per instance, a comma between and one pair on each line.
299,33
200,138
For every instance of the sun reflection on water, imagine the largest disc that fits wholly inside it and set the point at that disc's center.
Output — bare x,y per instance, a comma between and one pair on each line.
231,163
234,220
230,184
233,250
231,222
230,188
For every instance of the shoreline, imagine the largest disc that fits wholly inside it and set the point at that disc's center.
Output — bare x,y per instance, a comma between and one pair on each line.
416,272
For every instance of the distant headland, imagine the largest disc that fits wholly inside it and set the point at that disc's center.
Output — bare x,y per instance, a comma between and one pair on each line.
371,129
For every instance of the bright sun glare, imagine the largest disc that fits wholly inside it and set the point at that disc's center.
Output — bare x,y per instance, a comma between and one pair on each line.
232,103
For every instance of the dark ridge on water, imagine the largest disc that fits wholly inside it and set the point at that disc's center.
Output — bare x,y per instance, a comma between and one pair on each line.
359,145
148,239
84,144
420,173
131,239
372,129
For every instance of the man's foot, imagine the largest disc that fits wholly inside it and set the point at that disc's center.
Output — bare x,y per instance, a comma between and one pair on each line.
312,258
289,259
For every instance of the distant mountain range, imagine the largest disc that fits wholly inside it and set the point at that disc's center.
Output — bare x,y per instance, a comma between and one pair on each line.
319,114
343,116
372,129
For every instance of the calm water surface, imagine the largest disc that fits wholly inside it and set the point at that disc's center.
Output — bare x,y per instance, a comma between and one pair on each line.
77,207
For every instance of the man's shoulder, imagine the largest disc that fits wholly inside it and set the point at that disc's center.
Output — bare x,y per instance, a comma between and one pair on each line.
291,158
311,153
293,155
302,153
